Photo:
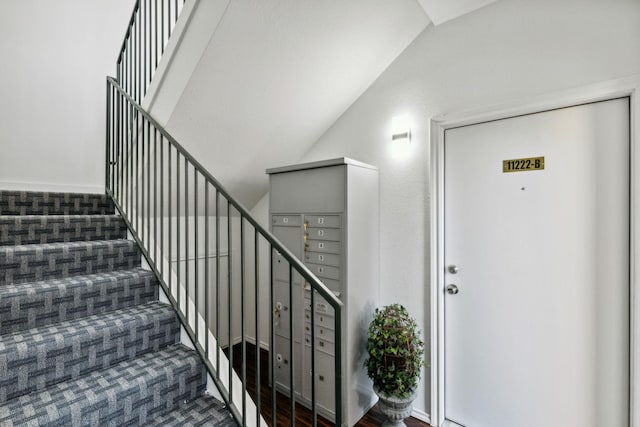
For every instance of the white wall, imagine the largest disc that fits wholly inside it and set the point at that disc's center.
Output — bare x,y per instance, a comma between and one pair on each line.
274,76
510,51
54,57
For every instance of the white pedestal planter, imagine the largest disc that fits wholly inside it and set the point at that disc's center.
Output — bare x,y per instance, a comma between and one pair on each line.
394,408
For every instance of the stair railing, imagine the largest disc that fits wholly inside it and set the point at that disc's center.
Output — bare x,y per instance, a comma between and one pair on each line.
150,27
215,262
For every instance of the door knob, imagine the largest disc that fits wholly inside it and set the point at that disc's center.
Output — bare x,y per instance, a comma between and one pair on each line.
452,289
453,269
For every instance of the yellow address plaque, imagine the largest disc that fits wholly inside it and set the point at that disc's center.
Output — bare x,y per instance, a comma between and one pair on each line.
523,165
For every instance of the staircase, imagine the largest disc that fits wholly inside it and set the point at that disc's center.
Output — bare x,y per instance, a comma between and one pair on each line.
83,337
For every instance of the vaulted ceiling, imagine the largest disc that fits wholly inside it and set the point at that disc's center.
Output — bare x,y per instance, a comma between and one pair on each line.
270,77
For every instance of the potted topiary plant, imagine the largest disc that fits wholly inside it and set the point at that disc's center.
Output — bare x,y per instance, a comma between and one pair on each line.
395,358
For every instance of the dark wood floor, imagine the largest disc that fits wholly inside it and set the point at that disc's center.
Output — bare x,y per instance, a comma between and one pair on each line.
283,412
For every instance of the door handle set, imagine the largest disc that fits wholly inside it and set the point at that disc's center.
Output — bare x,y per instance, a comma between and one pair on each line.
452,289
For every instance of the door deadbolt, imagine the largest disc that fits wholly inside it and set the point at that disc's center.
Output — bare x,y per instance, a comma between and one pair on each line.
453,269
452,289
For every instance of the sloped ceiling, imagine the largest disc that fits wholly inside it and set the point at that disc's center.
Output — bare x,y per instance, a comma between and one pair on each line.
275,75
441,11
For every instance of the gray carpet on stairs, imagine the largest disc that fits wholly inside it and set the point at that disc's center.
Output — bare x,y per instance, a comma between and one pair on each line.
84,340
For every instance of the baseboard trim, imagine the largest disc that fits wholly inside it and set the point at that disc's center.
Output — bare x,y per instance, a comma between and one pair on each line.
51,187
421,415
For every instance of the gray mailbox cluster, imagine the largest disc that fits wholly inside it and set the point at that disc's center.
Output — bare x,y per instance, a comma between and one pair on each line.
326,213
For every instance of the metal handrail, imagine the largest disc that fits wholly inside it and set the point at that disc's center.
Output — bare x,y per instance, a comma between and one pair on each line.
144,43
288,255
128,125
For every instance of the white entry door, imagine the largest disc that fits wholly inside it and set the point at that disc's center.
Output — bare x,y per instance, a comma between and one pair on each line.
537,269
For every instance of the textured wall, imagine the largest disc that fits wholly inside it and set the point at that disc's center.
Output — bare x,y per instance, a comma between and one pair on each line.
509,51
54,57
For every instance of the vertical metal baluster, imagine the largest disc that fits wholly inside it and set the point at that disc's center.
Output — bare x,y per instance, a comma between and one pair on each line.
129,162
314,411
338,364
120,147
128,155
206,268
155,197
168,20
292,393
242,326
272,338
195,252
230,295
133,54
178,226
125,62
113,138
134,63
107,142
155,31
130,62
256,239
125,154
162,205
149,187
150,56
169,218
162,26
116,130
140,174
108,145
218,283
130,125
143,26
186,238
133,59
123,67
134,168
139,55
137,140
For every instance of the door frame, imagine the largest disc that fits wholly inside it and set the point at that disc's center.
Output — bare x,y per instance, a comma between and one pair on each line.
626,87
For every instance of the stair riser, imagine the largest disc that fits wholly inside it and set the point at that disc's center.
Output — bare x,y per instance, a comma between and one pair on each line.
39,358
132,393
23,264
31,305
83,339
19,230
37,203
203,411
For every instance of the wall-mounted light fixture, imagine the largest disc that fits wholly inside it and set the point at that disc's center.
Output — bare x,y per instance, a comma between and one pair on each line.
400,129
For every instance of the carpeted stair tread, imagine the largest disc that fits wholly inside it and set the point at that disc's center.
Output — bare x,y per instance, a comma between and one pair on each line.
40,229
200,412
30,263
40,203
130,393
37,358
84,340
29,305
